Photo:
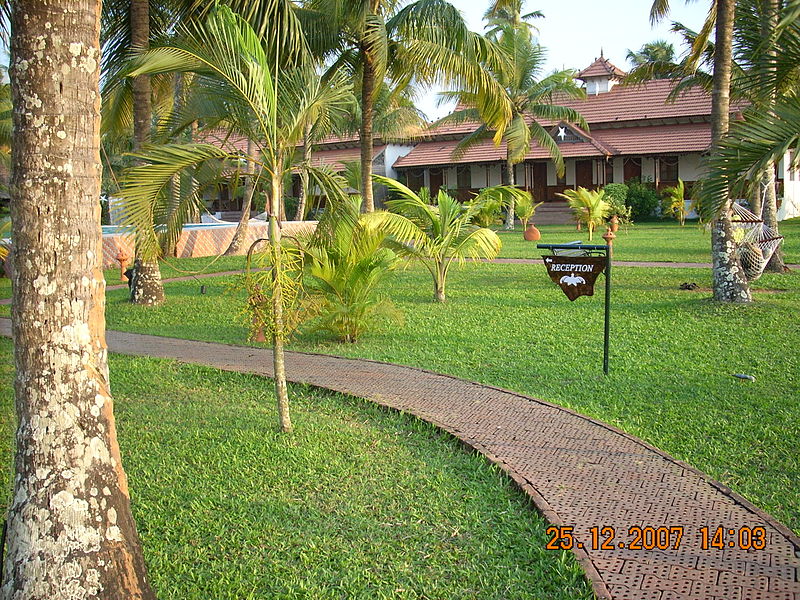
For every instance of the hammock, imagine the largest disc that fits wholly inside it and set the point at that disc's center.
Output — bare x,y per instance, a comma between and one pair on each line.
756,241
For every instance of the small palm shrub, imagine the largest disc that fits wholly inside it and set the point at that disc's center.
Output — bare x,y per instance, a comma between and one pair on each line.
673,202
488,211
435,233
346,263
525,208
588,207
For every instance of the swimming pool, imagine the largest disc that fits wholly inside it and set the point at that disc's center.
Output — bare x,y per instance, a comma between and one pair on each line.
122,229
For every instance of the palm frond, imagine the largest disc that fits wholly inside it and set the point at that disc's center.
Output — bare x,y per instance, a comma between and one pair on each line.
144,189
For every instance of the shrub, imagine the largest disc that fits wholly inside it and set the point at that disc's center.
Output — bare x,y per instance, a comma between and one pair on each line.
615,195
643,199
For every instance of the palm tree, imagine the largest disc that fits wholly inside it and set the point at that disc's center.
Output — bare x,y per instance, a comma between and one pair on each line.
426,41
653,55
728,281
70,525
657,51
588,207
673,202
511,109
267,96
436,234
761,73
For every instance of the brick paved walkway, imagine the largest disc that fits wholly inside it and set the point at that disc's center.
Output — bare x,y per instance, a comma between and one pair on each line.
578,471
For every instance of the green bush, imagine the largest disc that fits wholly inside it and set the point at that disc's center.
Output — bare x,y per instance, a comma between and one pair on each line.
615,195
643,199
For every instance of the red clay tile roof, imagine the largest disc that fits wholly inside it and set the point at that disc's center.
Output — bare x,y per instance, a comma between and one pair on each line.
441,153
661,139
622,104
689,137
335,159
600,67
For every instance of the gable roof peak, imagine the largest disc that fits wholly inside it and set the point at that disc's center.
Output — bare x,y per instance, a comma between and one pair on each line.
602,67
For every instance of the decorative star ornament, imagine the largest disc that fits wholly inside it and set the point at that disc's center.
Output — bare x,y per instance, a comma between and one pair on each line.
562,133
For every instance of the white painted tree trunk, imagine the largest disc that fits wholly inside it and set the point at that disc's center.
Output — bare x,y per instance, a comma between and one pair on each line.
70,530
728,279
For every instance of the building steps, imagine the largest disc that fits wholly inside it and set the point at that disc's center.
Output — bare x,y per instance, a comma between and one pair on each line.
553,213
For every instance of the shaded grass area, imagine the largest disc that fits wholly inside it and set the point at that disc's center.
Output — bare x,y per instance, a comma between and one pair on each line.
186,267
673,354
359,502
659,241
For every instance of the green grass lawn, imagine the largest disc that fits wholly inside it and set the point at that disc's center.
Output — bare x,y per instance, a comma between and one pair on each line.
359,502
660,241
673,354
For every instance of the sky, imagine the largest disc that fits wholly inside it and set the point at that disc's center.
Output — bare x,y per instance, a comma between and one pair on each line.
574,31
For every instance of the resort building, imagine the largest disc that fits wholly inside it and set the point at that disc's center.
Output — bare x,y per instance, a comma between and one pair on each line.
634,132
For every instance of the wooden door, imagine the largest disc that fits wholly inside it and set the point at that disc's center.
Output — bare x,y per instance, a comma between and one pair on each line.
583,173
436,179
539,184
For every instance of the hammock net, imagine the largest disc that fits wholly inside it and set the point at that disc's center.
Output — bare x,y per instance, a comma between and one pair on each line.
756,241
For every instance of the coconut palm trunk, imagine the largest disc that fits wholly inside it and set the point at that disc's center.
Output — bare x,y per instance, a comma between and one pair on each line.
70,529
239,237
512,181
728,280
146,286
277,305
368,84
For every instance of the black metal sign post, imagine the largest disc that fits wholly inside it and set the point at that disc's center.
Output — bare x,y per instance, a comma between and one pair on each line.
576,258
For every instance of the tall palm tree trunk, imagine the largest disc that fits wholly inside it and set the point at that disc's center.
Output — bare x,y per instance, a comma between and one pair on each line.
303,200
728,279
146,286
239,237
368,84
512,181
769,26
70,529
278,365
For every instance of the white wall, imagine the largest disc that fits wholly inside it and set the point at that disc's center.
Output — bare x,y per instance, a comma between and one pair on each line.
648,169
391,154
495,175
790,207
689,167
552,178
519,173
478,176
619,170
569,163
450,178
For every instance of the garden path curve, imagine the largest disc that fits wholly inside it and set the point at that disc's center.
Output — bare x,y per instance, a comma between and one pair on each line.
579,472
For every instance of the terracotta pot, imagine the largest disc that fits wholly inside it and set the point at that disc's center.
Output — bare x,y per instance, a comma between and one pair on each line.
614,223
532,234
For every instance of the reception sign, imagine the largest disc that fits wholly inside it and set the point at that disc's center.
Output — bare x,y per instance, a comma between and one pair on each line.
576,275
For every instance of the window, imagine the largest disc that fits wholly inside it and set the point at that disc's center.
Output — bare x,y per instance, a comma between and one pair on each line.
668,168
463,177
